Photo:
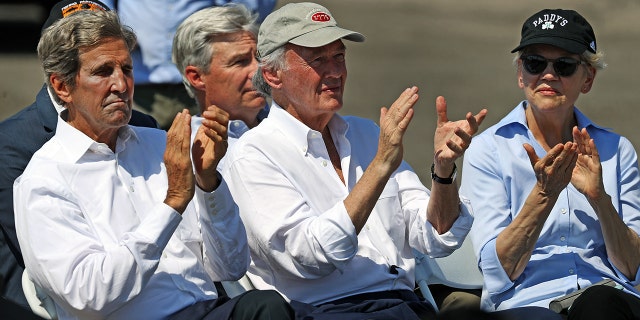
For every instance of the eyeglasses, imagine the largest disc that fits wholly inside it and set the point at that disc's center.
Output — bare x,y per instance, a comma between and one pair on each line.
563,66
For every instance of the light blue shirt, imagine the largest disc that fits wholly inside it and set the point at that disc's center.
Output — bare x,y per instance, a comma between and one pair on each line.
155,23
570,252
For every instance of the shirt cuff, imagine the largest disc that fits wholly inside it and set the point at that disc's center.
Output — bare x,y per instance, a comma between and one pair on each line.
442,245
634,282
336,234
154,232
219,202
496,279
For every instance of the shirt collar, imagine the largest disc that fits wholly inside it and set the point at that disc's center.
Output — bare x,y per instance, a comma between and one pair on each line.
299,133
518,116
55,103
77,144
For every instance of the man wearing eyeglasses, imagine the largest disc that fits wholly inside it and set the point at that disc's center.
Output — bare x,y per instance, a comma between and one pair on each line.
556,197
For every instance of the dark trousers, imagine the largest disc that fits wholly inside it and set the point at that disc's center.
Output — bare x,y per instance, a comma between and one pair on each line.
406,305
387,305
254,304
605,302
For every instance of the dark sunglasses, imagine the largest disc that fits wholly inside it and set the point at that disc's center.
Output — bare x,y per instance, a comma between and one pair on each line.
563,66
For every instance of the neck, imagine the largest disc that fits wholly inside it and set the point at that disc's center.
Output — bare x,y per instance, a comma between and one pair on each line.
550,130
333,152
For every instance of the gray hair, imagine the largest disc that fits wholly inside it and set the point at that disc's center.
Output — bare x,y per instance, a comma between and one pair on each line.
192,43
273,61
60,44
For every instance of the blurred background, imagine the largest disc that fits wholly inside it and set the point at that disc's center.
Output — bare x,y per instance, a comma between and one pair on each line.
458,49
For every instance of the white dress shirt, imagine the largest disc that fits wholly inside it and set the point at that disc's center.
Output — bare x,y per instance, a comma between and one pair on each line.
97,237
303,243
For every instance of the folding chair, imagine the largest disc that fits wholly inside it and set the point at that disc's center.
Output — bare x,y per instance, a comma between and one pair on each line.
458,270
41,304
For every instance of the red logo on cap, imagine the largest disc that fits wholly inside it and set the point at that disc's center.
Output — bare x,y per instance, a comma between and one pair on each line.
320,17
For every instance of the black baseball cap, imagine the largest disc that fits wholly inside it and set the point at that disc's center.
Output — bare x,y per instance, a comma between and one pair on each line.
565,29
67,7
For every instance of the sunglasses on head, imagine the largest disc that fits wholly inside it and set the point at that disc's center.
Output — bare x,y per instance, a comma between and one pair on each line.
563,66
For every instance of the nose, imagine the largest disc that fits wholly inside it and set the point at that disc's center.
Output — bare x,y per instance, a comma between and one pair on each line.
549,71
120,83
336,68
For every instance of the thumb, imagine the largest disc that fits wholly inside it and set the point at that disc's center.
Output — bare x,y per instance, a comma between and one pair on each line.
533,157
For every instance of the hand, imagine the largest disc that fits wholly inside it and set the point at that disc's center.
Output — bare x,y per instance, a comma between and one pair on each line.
554,170
451,139
393,124
177,160
587,174
209,146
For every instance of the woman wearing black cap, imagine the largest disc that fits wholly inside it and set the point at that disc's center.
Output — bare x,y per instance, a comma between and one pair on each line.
556,197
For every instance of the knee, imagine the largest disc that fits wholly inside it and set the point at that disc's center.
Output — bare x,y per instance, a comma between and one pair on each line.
599,302
595,297
264,303
268,297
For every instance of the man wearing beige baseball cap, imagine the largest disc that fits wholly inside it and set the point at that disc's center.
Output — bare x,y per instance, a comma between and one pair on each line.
332,212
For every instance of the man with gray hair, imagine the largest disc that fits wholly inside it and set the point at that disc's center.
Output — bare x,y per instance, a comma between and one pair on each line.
215,51
112,219
331,210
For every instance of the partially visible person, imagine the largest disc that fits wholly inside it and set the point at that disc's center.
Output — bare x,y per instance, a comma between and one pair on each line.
215,51
159,88
331,210
111,218
556,197
20,136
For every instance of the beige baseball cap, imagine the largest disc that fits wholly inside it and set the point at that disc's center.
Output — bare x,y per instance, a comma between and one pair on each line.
305,24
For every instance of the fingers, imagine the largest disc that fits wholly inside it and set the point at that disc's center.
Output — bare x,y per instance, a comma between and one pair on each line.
561,158
479,118
441,110
401,108
213,113
567,158
461,144
586,145
178,135
215,123
399,115
533,157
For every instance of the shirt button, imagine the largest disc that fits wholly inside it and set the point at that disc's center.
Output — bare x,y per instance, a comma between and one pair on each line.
131,189
570,271
304,149
563,210
563,238
324,163
236,124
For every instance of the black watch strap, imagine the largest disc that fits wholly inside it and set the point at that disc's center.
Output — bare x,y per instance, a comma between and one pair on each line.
441,180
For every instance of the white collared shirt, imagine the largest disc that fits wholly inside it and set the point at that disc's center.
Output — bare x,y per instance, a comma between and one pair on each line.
97,237
303,243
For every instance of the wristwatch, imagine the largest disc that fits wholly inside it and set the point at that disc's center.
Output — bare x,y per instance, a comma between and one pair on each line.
440,180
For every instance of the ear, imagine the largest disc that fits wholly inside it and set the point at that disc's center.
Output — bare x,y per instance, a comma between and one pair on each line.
61,88
272,77
195,78
520,79
588,83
